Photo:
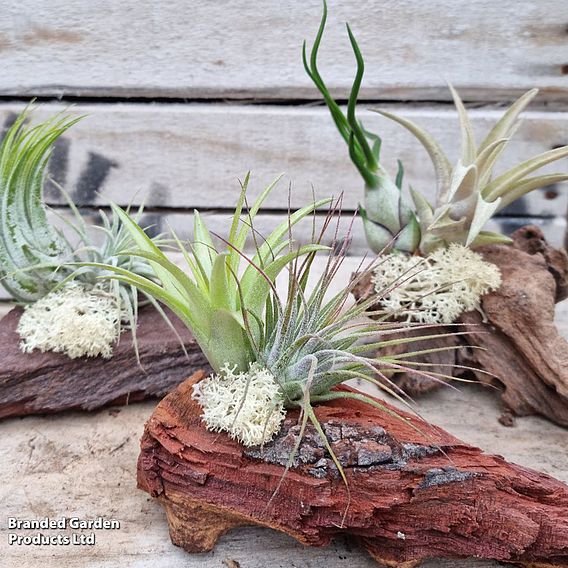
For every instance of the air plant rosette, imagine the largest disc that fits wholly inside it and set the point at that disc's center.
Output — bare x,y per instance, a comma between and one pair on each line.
273,436
74,340
454,271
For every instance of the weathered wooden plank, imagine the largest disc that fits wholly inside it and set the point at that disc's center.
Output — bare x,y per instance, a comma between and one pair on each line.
191,155
238,49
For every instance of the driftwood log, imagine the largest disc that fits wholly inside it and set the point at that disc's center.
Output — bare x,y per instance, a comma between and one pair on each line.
41,383
525,356
415,491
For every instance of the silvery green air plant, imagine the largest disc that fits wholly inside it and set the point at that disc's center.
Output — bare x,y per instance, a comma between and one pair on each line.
270,351
66,308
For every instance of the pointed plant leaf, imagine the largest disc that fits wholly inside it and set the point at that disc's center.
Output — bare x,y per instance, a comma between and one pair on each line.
486,160
378,237
501,185
529,184
424,210
489,238
243,232
220,291
197,322
399,175
145,243
256,287
203,247
483,212
469,151
274,239
409,238
504,128
382,203
464,183
441,163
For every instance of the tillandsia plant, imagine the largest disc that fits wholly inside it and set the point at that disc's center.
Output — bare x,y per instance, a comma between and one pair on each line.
66,308
388,219
468,195
268,353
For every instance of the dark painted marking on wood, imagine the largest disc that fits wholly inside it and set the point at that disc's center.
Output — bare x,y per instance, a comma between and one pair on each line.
92,178
11,117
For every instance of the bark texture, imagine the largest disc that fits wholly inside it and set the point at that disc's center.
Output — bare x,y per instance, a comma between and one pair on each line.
415,491
523,352
40,383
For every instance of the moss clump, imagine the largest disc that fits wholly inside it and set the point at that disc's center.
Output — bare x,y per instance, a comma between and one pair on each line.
77,320
437,288
247,405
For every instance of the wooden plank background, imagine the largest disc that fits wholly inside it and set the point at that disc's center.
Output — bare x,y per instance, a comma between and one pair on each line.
241,49
182,99
177,157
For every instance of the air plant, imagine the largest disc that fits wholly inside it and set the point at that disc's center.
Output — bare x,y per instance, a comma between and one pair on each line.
388,219
269,353
467,195
67,309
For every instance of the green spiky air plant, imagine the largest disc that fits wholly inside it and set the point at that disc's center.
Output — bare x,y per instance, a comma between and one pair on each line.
467,194
30,248
269,352
67,309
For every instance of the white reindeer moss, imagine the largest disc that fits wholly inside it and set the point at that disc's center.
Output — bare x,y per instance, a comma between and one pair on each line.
437,288
75,320
247,405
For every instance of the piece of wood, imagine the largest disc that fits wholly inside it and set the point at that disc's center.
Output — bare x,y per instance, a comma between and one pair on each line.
524,350
189,156
84,464
240,50
415,491
44,383
522,353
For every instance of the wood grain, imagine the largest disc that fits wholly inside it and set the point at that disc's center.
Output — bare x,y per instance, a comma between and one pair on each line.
415,491
243,50
187,156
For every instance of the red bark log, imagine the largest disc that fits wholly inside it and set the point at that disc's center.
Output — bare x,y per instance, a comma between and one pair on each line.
40,383
415,491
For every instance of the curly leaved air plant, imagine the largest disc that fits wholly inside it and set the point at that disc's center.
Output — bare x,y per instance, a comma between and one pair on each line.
467,195
270,353
388,220
66,308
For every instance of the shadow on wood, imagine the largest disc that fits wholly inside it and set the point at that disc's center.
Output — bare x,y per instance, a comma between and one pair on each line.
523,352
40,383
415,491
